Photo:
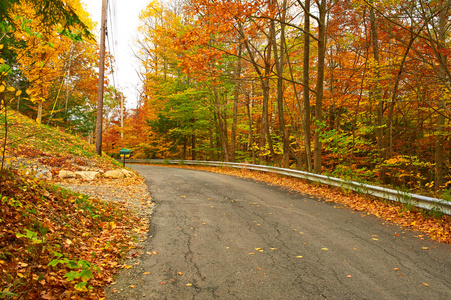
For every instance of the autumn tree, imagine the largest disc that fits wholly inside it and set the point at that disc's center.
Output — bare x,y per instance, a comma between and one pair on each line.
363,83
38,48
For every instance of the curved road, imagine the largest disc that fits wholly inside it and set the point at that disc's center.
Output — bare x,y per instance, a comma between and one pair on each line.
221,237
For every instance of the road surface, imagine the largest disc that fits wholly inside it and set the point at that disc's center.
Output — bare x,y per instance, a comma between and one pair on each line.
221,237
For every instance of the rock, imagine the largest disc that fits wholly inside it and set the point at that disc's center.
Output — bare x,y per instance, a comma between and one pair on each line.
115,174
127,173
44,174
118,173
87,175
64,174
32,168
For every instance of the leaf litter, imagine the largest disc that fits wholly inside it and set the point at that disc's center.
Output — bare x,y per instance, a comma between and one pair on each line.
60,244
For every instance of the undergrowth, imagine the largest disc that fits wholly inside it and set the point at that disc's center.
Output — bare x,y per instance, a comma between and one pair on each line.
58,244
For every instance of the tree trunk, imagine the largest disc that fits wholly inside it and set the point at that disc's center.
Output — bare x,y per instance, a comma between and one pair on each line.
185,143
320,84
193,147
235,104
442,73
99,121
212,146
279,51
264,79
251,132
306,91
39,116
265,114
225,153
391,108
377,89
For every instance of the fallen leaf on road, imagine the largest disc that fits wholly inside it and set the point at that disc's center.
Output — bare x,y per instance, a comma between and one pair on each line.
180,273
425,248
349,276
146,273
189,284
425,284
163,283
132,286
325,249
273,248
299,256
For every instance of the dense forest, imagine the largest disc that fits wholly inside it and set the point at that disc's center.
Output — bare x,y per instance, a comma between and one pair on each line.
355,89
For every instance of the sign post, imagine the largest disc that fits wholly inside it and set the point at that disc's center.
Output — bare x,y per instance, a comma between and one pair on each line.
125,153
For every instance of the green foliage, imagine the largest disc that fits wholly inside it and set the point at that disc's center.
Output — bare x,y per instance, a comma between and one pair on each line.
82,118
33,236
84,270
51,12
186,112
409,171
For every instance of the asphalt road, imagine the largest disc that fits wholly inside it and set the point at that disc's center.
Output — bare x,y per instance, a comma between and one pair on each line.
221,237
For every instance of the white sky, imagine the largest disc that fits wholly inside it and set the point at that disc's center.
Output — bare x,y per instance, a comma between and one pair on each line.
122,29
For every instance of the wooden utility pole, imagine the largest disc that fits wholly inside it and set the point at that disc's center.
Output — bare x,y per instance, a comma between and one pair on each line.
101,79
122,120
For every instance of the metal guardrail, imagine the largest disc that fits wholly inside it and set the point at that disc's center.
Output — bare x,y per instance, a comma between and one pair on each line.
381,192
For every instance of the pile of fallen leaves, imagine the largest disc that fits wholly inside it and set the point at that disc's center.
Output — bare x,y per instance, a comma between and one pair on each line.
437,227
56,244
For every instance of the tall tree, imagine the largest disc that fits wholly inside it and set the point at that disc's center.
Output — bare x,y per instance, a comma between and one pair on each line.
306,84
322,10
279,59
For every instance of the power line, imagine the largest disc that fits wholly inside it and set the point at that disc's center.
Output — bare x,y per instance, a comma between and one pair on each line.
111,42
